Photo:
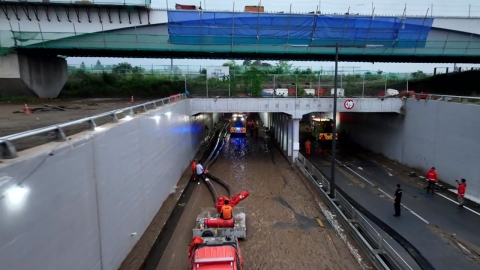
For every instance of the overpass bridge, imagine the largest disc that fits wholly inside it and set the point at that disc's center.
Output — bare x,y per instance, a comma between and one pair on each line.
29,30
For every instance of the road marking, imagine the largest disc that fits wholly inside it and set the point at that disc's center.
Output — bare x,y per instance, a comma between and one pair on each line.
320,223
330,238
386,194
469,209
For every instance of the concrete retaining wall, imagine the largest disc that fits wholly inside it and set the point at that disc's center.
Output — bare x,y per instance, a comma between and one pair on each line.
432,133
90,199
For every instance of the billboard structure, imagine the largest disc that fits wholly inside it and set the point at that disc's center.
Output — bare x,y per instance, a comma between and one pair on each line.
219,72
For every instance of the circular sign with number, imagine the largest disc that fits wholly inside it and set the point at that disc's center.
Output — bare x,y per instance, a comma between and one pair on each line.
349,104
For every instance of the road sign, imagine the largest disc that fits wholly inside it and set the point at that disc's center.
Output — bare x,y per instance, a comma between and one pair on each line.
349,104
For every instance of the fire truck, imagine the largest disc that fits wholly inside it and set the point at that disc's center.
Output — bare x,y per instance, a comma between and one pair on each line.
238,123
322,129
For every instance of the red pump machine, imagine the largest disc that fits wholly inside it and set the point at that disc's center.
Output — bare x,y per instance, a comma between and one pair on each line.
210,224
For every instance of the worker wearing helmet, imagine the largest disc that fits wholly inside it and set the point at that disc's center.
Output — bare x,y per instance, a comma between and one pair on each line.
226,211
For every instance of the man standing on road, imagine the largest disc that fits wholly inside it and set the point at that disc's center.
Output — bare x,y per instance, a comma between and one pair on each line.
462,186
201,172
432,179
397,201
308,144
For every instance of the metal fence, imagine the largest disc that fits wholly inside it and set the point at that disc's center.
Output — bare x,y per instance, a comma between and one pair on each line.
7,143
199,69
369,239
259,84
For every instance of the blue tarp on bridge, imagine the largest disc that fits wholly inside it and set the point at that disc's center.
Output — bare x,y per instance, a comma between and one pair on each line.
226,28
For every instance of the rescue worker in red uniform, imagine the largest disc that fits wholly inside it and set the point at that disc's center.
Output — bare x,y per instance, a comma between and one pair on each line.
308,144
432,179
322,141
194,170
462,187
226,211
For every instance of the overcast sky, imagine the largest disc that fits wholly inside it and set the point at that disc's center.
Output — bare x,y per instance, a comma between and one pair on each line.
384,7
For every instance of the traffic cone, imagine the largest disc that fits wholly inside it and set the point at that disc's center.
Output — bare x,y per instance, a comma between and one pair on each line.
26,110
132,100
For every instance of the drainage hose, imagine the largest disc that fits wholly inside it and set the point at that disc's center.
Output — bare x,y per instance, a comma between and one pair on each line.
212,190
221,182
218,149
213,177
216,145
210,146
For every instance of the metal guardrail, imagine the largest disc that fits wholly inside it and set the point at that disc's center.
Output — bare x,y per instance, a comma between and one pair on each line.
442,97
370,240
8,149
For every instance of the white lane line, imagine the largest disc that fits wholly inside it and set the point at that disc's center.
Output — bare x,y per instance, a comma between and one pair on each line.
469,209
386,194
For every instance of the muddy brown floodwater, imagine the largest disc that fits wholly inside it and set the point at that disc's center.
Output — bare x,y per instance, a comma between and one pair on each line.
282,227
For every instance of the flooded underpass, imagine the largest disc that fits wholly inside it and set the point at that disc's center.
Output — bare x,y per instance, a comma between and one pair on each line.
285,227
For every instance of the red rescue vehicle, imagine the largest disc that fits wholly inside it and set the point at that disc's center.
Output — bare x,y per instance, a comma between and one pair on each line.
215,253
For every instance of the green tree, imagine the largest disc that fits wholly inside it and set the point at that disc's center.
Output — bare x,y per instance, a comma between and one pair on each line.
247,63
138,70
122,68
418,75
82,66
283,67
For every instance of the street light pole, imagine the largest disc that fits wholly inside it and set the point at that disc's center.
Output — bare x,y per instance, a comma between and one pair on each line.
334,128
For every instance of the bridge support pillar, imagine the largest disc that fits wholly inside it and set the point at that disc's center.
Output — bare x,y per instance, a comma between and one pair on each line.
285,132
296,139
277,127
290,139
22,75
282,128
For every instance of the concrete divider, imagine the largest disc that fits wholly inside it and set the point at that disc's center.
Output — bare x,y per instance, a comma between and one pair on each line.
84,203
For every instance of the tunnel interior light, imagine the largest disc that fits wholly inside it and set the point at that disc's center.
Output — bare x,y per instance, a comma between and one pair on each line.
16,194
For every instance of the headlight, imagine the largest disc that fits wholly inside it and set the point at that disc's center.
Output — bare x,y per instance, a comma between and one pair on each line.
243,118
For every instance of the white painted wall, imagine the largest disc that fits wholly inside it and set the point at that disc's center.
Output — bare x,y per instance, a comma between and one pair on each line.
89,194
296,107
